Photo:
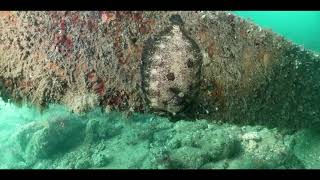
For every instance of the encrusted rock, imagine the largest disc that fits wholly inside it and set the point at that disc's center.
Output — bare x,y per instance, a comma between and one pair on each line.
81,103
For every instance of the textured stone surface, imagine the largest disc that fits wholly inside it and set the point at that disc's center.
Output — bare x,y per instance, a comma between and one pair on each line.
100,140
40,140
246,72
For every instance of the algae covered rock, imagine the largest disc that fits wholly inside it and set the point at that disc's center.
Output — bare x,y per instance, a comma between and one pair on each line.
234,69
203,145
102,128
44,139
81,103
194,144
101,140
265,148
307,144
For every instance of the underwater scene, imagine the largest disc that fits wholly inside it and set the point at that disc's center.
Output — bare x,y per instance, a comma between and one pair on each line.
160,89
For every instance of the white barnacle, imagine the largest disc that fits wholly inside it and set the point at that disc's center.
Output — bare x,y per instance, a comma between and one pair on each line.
154,85
162,46
175,28
154,102
157,57
154,71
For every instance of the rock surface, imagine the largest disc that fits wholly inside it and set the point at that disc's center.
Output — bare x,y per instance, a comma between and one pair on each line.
99,140
247,73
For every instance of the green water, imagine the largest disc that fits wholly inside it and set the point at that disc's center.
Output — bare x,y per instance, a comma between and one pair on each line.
301,27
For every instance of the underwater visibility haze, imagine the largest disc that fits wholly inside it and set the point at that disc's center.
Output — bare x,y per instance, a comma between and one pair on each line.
160,90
